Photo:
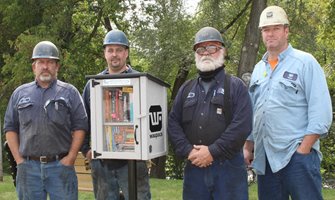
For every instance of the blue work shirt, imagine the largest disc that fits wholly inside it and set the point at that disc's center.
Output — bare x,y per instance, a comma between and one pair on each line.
199,119
45,118
290,102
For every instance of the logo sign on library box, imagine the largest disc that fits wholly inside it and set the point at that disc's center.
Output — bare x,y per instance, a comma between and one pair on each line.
155,120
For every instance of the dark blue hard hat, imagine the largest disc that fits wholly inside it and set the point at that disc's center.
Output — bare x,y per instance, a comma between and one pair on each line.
116,37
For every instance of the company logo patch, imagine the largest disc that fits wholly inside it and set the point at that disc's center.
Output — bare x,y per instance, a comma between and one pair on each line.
191,95
290,76
220,91
155,118
24,100
269,14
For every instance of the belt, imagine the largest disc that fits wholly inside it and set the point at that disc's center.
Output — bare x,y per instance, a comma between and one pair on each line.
46,159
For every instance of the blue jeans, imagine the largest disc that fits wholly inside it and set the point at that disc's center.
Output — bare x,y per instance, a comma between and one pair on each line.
108,183
36,180
223,180
300,179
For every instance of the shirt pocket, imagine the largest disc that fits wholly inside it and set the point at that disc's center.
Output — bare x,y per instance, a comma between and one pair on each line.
188,110
58,111
25,113
287,91
255,89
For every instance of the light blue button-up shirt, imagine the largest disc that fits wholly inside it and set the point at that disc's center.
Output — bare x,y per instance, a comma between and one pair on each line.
289,103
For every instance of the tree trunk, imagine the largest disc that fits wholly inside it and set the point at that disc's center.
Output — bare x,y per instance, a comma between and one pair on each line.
251,41
181,76
158,168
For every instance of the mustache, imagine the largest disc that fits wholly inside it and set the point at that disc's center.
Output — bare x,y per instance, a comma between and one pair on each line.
205,58
45,70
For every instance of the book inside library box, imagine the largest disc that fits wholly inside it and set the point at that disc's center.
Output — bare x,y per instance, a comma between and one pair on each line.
118,117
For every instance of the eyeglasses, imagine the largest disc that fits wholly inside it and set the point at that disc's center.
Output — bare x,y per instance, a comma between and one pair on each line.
210,49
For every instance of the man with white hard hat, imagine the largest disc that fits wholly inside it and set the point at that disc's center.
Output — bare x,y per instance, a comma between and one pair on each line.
292,111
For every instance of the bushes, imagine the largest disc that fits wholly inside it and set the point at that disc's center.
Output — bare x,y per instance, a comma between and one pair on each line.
328,151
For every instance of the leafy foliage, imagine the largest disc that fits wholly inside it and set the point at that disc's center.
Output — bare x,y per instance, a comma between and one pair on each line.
328,151
161,35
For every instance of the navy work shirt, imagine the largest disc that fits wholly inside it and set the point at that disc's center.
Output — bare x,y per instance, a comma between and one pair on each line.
44,118
200,119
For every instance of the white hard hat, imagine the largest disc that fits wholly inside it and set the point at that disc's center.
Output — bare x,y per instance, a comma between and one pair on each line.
273,15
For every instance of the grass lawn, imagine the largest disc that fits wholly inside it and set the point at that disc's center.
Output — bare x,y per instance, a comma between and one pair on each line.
160,189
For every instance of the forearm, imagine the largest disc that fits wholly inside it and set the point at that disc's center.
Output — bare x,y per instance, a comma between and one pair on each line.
248,145
85,147
248,152
14,143
307,143
77,140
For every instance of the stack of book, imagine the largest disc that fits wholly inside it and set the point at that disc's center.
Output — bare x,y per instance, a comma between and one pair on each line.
118,109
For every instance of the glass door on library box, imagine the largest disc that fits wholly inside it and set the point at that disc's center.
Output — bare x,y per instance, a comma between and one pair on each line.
115,101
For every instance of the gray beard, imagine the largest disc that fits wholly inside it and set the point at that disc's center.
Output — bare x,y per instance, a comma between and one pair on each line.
46,78
207,63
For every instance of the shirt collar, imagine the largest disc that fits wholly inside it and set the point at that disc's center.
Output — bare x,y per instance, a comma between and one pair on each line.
128,70
281,56
219,77
50,85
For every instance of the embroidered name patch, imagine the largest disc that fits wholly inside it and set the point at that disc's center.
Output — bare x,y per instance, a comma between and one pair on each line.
290,76
191,95
24,100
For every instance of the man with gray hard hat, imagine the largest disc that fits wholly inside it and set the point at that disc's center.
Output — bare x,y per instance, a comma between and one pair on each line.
111,175
292,110
210,119
45,125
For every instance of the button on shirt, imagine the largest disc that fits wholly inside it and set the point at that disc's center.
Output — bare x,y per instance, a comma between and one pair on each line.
290,102
44,118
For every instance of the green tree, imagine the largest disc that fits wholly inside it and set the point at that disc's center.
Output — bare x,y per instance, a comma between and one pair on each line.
161,35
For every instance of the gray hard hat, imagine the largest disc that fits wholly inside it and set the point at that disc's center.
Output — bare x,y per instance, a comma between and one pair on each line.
207,34
45,49
116,37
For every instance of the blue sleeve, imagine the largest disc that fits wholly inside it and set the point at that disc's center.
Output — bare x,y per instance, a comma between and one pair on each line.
318,98
78,111
86,97
177,137
11,121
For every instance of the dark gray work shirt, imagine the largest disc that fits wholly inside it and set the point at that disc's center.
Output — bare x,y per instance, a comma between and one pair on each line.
44,118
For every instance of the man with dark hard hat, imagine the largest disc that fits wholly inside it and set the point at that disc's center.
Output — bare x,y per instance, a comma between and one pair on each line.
45,125
292,111
111,175
210,119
